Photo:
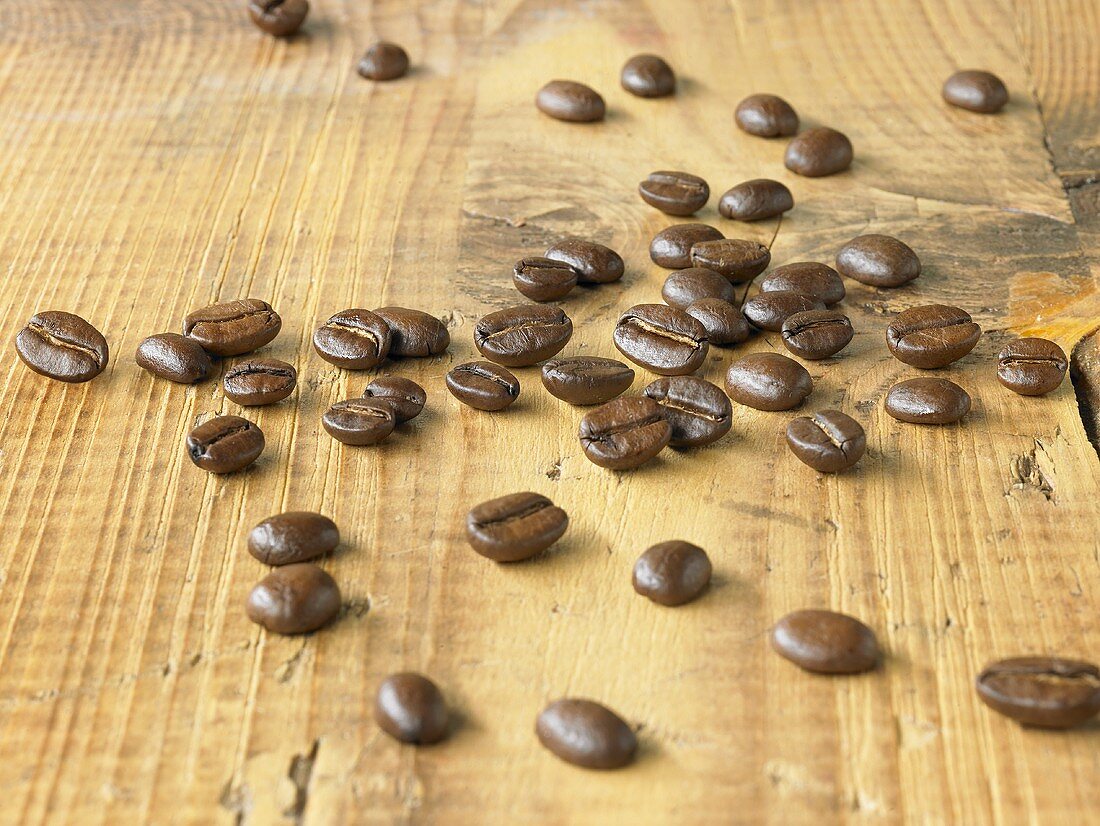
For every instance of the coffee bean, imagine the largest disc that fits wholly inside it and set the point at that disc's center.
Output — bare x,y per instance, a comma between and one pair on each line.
173,357
594,263
1031,366
280,18
383,61
648,76
661,339
584,380
927,401
515,527
1050,692
932,336
818,152
624,433
768,311
586,734
816,334
570,101
671,247
413,333
232,328
259,381
766,116
294,536
826,642
684,287
294,599
698,411
404,396
878,260
722,321
674,193
362,421
672,573
62,346
828,441
483,385
523,335
354,339
225,444
542,279
410,708
768,381
976,90
755,200
806,277
737,259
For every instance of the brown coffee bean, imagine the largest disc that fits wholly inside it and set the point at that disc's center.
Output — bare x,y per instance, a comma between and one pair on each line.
414,333
280,18
359,422
674,193
648,76
932,336
976,90
294,536
594,263
232,328
927,401
294,599
737,259
722,321
806,277
353,339
878,260
405,396
1031,366
570,101
483,385
755,200
1050,692
624,433
818,152
259,381
543,279
766,116
816,334
661,339
671,247
383,61
523,335
684,287
828,441
586,734
410,708
672,573
584,380
698,411
768,311
225,444
768,381
174,357
515,527
826,642
62,346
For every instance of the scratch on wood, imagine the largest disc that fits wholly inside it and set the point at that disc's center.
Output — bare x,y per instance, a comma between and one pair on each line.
1027,475
301,769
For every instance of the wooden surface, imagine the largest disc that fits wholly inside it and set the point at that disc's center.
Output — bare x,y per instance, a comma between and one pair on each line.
156,156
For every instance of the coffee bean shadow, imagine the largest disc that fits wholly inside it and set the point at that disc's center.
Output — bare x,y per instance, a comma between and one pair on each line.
647,749
687,87
563,547
615,115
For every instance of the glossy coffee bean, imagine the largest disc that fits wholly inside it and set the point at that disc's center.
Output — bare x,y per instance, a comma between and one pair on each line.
932,336
768,311
661,339
294,599
684,287
1049,692
829,441
722,321
359,422
383,61
737,259
515,527
404,396
878,260
294,536
768,381
225,444
62,346
816,334
807,277
674,193
280,18
698,411
353,339
826,642
648,76
624,433
671,247
174,357
523,335
976,90
927,401
1031,366
594,263
232,328
586,734
584,380
672,573
818,152
755,200
410,708
570,101
542,279
483,385
767,116
259,381
414,333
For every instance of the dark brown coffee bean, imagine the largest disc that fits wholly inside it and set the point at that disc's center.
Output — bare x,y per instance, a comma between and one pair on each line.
362,421
737,259
755,200
648,76
586,734
826,642
624,433
294,536
570,101
672,573
232,328
294,599
405,396
684,287
543,279
674,193
671,247
515,527
768,381
62,346
523,335
1031,366
927,401
723,322
413,333
806,277
410,708
174,357
818,152
483,385
828,441
353,339
768,311
584,380
698,411
259,381
383,61
594,263
661,339
976,90
1050,692
225,444
766,116
280,18
816,334
932,336
878,260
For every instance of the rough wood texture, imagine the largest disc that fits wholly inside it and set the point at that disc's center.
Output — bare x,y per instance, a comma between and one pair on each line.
159,155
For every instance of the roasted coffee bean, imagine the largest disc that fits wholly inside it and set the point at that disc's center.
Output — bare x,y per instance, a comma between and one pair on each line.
259,381
661,339
584,380
768,381
927,401
722,321
594,263
362,421
816,334
878,260
294,599
1031,366
523,335
62,346
826,642
698,411
280,18
409,707
383,61
976,90
674,193
768,311
483,385
766,116
671,247
648,76
586,734
515,527
294,536
755,200
932,336
413,333
174,357
828,441
818,152
625,432
570,101
543,279
405,396
672,573
354,339
684,287
806,277
1050,692
232,328
737,259
225,444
